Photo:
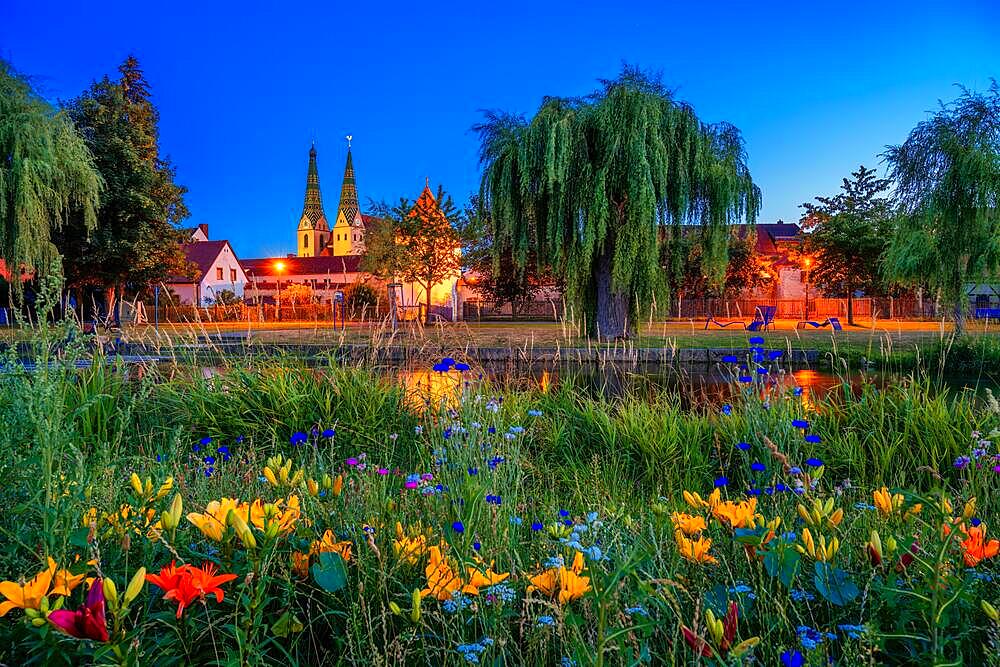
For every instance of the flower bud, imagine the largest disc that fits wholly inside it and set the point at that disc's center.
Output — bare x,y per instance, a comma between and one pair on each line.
136,484
269,476
135,586
415,612
990,611
110,591
338,485
312,487
394,608
970,509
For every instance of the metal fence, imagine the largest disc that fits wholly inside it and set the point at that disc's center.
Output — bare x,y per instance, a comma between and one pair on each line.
482,311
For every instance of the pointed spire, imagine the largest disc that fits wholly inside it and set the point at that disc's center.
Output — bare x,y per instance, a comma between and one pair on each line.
348,191
312,207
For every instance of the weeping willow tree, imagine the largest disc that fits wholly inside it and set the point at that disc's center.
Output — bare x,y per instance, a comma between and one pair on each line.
594,186
47,174
947,175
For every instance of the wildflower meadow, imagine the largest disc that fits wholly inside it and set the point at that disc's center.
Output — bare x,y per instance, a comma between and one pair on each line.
278,514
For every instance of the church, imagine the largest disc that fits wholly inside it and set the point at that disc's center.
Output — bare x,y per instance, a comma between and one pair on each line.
328,257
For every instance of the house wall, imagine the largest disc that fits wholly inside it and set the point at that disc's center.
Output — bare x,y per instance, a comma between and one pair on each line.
186,293
210,285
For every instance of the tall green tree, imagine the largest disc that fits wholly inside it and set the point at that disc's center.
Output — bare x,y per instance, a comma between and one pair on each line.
590,183
746,269
137,240
417,242
848,235
46,173
947,176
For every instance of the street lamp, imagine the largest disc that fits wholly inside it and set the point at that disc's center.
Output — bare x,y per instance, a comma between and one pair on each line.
279,266
808,264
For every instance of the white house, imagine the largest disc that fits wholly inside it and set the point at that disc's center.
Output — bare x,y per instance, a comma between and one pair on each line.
217,268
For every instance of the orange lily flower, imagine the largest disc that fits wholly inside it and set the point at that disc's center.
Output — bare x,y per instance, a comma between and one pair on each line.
687,523
737,515
977,549
695,551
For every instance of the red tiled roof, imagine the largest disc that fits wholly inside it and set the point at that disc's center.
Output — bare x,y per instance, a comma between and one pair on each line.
202,254
301,266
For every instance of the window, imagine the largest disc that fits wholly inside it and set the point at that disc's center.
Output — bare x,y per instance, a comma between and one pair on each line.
305,240
218,273
232,275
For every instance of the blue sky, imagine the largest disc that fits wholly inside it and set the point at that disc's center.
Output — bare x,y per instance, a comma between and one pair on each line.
816,87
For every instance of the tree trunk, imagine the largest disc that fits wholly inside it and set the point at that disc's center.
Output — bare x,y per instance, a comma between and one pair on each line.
611,308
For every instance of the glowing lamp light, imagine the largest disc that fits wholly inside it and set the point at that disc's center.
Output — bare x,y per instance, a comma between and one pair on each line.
808,262
279,266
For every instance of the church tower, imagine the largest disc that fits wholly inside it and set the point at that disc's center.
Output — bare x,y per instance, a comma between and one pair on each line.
348,236
314,232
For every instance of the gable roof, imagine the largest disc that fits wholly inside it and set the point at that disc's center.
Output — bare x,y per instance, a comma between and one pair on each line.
202,254
301,266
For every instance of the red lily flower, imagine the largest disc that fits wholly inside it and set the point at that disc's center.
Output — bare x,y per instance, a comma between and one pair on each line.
87,622
186,584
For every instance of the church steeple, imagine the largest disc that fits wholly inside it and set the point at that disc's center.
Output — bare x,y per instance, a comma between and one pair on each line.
348,233
313,229
312,207
349,192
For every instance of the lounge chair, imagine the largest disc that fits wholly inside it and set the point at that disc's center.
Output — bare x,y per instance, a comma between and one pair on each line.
984,313
763,319
712,320
830,321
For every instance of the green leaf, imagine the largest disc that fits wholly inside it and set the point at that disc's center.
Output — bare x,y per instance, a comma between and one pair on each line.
834,584
78,538
286,625
783,563
329,572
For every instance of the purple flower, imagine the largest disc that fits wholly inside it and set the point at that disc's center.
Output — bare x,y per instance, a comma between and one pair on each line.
383,471
352,461
411,484
961,462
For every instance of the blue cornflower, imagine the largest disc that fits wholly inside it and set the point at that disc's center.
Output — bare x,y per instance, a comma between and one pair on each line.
473,471
567,662
476,546
799,595
637,610
852,631
721,481
209,460
563,513
746,379
459,366
545,621
795,470
501,592
554,562
727,409
206,441
756,340
814,462
536,526
458,527
864,506
209,471
761,371
516,521
797,391
775,354
813,438
534,413
793,659
757,466
448,361
729,359
800,423
745,446
753,492
298,438
328,433
591,517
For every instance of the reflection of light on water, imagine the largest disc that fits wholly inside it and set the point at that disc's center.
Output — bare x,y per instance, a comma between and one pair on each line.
545,381
813,384
425,386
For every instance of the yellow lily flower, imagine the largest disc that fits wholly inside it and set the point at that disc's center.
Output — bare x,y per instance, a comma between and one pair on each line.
212,522
687,523
29,595
736,515
695,551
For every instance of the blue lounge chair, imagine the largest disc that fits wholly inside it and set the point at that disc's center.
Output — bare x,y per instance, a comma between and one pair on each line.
830,321
717,323
763,319
984,313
